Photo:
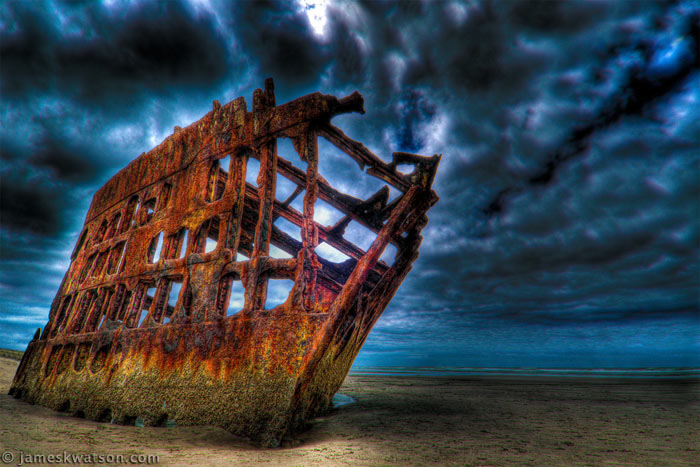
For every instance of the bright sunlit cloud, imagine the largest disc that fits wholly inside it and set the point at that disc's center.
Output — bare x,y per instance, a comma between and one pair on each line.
316,11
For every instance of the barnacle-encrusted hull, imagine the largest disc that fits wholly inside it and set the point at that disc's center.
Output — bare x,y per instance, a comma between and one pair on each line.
141,326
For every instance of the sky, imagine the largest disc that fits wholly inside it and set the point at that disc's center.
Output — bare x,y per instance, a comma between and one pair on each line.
567,231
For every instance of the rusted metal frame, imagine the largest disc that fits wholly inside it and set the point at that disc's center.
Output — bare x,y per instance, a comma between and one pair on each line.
248,222
285,242
105,308
124,201
374,299
344,301
66,284
339,243
236,180
279,268
130,211
167,265
81,312
328,281
308,266
58,307
341,201
66,304
108,244
378,299
309,108
136,306
220,230
82,242
146,305
263,110
122,311
169,311
367,262
424,167
295,217
329,278
113,225
164,196
364,156
95,267
169,249
223,294
335,273
100,263
182,312
113,310
142,198
80,302
101,231
69,320
278,237
111,259
208,189
87,267
285,267
95,311
155,312
201,235
293,196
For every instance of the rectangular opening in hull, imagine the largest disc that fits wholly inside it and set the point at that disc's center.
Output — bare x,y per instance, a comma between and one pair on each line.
236,299
230,296
173,294
325,251
277,292
252,170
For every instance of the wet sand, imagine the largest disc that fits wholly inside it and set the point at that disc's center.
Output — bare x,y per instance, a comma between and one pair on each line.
437,421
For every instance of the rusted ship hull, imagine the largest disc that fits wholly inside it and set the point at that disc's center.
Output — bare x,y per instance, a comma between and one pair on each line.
139,327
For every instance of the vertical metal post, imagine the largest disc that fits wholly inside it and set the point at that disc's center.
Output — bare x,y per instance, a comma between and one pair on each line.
263,106
309,233
237,173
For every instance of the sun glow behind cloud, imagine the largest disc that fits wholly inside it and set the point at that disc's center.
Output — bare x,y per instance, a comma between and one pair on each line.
316,10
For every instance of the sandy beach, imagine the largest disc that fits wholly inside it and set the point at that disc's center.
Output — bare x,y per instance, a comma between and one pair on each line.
408,420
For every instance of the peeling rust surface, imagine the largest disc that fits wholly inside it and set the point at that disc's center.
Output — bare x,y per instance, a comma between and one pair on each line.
162,313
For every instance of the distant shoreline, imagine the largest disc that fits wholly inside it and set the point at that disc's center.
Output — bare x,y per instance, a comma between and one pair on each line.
674,373
528,373
13,354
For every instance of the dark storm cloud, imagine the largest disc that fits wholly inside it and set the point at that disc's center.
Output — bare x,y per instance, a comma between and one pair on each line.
97,54
66,161
643,85
67,69
607,239
87,87
569,133
33,208
278,37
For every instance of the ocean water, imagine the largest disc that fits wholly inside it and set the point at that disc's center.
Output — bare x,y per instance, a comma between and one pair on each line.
632,373
340,400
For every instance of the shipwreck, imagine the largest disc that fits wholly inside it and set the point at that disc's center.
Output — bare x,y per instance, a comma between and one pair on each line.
145,325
